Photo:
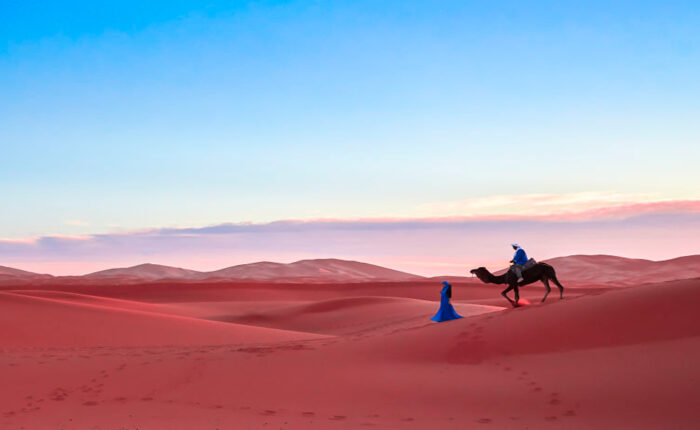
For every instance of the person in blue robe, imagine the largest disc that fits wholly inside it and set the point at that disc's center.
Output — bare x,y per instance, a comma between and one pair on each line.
519,261
446,311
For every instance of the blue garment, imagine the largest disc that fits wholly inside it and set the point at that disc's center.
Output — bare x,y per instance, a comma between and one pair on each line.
520,257
446,311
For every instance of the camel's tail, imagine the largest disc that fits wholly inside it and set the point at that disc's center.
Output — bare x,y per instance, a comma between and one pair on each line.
556,282
553,277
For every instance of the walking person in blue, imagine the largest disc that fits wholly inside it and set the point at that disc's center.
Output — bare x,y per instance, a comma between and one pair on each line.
446,311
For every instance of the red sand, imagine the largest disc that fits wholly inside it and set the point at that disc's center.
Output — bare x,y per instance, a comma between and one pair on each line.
624,271
251,355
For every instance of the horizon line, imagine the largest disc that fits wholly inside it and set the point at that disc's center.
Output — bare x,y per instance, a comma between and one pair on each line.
332,258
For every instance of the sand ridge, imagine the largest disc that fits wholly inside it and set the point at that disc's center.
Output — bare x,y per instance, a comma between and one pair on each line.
301,357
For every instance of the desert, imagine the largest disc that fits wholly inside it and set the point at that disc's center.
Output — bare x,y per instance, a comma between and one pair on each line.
242,353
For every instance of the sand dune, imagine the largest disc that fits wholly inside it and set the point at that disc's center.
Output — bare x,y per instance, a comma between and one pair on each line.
627,271
53,321
311,270
320,270
576,271
9,271
145,272
307,271
352,315
645,314
12,276
210,293
182,356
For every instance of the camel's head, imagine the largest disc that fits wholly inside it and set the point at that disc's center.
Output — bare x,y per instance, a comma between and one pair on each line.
480,273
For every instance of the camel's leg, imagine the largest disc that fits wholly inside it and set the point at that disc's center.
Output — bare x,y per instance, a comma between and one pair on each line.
517,295
504,293
561,288
545,281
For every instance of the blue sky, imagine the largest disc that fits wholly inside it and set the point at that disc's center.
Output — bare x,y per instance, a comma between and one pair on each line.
123,116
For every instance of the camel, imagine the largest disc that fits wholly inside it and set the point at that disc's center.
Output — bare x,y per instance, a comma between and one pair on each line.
539,272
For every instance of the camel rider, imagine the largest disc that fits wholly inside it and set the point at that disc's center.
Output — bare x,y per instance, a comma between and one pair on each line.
519,260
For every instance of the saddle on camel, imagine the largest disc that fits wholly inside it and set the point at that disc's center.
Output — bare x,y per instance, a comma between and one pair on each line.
524,271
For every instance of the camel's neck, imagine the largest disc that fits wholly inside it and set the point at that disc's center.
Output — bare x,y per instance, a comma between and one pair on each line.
493,279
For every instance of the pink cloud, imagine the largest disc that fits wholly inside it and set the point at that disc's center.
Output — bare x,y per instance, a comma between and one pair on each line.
566,224
576,206
430,246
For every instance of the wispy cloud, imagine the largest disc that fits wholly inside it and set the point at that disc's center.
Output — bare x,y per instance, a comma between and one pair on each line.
572,206
430,245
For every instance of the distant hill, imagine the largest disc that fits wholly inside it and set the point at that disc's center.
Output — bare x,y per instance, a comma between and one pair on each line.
321,270
9,271
145,272
577,269
12,276
612,269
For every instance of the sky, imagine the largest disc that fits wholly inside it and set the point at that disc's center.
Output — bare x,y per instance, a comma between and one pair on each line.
422,135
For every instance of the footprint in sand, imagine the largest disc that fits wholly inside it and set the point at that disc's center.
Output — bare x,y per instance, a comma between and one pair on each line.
146,399
120,399
27,410
59,394
552,418
408,419
308,414
570,413
90,403
268,412
338,417
484,421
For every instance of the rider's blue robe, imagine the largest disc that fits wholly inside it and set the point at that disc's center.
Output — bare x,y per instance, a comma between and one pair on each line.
446,311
